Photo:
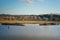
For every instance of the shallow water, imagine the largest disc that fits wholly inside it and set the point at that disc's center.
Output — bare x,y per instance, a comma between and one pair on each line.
30,30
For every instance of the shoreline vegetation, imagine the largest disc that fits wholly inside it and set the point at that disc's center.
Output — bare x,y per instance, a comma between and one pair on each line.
49,19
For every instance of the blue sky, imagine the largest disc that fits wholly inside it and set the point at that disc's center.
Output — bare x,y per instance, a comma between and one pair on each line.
29,6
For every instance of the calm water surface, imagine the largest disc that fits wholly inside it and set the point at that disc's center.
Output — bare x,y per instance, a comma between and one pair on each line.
30,30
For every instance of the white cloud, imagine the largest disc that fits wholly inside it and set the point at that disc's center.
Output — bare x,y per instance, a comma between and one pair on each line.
41,0
30,2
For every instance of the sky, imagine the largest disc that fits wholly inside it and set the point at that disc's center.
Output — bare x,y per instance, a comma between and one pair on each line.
29,7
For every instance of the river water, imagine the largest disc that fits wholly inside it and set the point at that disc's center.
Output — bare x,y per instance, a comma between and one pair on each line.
30,30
